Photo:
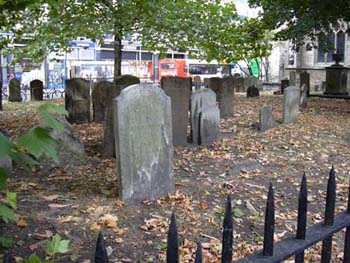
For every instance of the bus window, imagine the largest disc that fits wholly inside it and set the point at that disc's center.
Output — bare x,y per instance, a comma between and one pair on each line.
167,66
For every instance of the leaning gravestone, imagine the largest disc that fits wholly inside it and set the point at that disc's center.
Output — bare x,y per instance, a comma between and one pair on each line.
209,121
303,96
179,91
36,90
197,82
291,100
108,150
252,91
200,100
15,90
143,142
266,120
99,98
77,100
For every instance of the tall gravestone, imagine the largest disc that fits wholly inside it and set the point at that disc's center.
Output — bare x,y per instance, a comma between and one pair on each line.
209,121
200,100
36,90
143,142
284,85
179,91
197,82
266,120
291,100
108,150
224,89
15,90
303,96
305,80
99,99
77,100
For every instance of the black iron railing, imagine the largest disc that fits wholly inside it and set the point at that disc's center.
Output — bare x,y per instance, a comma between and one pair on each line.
271,252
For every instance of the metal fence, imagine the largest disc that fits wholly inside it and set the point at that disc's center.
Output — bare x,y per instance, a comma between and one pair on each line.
271,252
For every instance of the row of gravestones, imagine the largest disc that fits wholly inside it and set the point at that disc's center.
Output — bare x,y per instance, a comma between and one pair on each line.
292,81
294,99
36,90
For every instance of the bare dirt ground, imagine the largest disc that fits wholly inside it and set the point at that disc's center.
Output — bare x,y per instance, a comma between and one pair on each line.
77,202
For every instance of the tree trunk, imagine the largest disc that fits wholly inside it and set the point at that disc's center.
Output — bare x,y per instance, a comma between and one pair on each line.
117,57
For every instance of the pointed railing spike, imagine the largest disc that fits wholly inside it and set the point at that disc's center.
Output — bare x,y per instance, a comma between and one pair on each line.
329,217
347,234
101,252
227,234
198,258
269,223
302,216
172,253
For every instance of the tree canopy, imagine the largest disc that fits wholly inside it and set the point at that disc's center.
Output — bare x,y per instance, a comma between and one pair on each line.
298,19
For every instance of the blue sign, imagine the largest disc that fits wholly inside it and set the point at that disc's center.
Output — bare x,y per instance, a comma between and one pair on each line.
82,43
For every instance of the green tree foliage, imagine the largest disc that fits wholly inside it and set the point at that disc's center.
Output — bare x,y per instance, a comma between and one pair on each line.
210,26
297,19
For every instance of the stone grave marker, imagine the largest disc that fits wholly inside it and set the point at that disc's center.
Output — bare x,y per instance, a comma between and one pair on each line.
143,142
209,121
284,84
77,100
99,99
108,150
36,90
305,79
224,89
239,84
179,91
253,91
292,78
202,98
197,82
291,100
15,90
303,96
266,120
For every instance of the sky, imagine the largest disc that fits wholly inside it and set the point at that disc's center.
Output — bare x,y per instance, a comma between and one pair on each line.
243,8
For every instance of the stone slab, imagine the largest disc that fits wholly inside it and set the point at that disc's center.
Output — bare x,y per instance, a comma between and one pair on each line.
15,90
291,100
36,90
143,143
209,121
99,95
266,120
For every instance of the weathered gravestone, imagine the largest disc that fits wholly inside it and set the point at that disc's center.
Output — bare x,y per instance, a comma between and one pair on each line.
179,90
36,90
266,120
99,99
252,91
108,150
15,90
291,100
197,82
292,78
6,164
305,80
77,100
143,142
303,96
209,121
200,100
224,89
284,85
238,84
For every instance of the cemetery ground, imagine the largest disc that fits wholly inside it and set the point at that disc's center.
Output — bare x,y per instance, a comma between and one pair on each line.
77,202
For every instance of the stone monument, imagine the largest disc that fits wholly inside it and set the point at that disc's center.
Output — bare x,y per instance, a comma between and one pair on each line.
336,78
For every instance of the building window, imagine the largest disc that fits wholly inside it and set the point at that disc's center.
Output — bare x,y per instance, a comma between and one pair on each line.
330,44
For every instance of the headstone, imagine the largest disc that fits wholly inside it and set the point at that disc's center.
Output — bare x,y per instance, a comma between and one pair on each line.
266,120
77,100
108,147
253,91
305,80
303,96
209,121
239,84
179,91
202,98
291,100
6,164
36,90
336,80
15,90
292,78
224,89
284,85
99,99
143,142
197,82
